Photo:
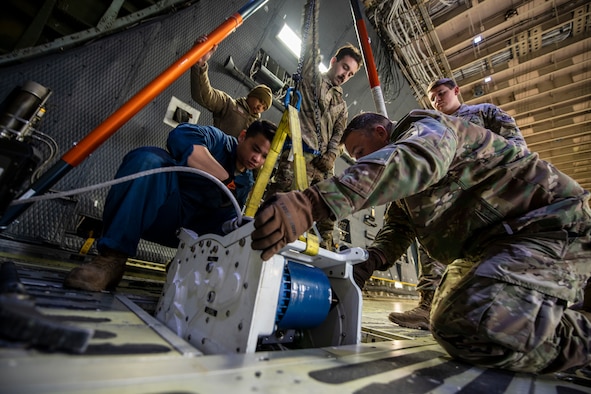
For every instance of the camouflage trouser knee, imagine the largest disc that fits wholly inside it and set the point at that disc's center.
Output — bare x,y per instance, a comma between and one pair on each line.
430,272
491,322
283,179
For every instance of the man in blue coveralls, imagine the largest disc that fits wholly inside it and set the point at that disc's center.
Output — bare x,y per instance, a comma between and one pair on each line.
153,207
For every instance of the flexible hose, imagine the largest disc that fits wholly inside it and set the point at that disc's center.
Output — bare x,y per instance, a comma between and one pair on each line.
51,196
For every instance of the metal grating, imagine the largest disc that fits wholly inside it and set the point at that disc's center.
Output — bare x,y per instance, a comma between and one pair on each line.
89,83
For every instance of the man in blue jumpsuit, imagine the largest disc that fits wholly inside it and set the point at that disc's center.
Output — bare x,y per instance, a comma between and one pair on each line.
154,207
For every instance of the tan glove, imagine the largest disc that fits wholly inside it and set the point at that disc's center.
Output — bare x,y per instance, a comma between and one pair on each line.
284,217
363,271
325,162
281,220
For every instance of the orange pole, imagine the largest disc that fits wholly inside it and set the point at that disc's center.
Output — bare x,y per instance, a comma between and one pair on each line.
110,125
96,137
372,71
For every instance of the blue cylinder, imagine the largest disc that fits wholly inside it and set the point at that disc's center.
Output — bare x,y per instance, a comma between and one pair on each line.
305,297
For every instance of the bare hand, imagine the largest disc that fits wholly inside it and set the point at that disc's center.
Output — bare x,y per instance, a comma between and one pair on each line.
201,62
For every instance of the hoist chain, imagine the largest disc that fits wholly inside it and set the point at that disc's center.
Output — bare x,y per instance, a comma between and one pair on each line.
297,77
310,21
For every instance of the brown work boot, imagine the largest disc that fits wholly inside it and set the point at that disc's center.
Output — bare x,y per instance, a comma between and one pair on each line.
103,272
417,318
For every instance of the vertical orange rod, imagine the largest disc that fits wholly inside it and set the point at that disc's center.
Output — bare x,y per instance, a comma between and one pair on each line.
372,72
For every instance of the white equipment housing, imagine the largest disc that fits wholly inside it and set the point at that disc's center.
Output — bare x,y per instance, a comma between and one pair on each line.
223,298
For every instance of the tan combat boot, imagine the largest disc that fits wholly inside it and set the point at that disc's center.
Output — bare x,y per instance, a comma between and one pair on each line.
418,317
103,272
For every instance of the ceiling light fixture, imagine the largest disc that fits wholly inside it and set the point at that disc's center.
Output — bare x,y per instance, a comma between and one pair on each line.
294,43
290,39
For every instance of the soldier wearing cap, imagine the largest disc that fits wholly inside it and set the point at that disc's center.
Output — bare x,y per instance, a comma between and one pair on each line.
229,114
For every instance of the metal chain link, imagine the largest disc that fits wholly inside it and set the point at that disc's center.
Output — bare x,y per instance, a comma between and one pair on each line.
316,80
297,77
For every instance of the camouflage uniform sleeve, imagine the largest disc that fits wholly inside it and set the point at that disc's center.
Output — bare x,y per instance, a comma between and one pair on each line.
204,94
334,144
420,156
394,237
195,76
500,122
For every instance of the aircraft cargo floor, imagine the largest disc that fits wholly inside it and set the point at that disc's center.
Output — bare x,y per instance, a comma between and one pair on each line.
131,352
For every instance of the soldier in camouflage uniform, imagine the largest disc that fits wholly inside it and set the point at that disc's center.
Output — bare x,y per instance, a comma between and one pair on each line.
323,117
511,228
230,115
444,96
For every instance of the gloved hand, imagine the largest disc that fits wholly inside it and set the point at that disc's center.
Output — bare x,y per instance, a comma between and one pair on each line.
281,220
363,271
325,162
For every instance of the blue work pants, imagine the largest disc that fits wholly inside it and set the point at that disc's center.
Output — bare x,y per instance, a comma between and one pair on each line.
154,207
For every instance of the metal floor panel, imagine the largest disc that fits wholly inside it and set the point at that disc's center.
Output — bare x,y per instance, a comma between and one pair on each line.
131,352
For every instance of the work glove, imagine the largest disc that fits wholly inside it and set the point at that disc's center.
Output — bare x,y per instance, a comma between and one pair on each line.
284,217
363,271
325,162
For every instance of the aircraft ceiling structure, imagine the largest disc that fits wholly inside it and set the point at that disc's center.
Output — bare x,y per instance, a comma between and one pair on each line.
533,60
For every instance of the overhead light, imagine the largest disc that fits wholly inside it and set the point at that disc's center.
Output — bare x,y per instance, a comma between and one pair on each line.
477,40
487,79
294,43
290,39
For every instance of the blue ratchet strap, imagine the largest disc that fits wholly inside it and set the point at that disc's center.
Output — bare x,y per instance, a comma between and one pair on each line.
287,101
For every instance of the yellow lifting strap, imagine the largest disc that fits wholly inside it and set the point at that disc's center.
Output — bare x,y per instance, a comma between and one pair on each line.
289,125
312,243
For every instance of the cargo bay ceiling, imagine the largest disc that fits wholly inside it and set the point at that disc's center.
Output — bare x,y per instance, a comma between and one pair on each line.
532,58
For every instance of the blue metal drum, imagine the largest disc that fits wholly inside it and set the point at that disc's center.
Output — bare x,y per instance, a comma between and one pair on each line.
305,297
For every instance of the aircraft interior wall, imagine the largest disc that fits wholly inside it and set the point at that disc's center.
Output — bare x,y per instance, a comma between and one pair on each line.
90,82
